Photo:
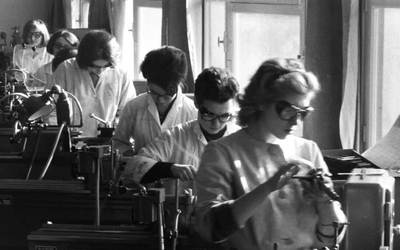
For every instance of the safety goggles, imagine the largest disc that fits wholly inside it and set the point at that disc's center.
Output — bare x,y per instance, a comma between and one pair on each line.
287,111
209,116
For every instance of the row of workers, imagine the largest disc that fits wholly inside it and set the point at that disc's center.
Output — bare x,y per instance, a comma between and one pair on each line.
237,151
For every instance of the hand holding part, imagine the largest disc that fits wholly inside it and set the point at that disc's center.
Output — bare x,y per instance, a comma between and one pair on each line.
183,172
281,178
318,176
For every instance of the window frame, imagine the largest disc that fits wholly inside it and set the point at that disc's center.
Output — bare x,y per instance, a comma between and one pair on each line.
286,7
83,20
371,55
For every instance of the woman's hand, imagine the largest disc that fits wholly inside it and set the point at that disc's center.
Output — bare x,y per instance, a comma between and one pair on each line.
319,188
284,174
184,172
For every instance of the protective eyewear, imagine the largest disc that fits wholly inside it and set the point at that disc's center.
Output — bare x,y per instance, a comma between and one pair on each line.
287,111
100,67
157,95
209,116
36,35
60,46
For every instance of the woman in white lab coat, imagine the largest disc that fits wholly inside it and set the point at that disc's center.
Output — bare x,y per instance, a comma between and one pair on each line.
32,54
247,198
59,40
163,106
96,79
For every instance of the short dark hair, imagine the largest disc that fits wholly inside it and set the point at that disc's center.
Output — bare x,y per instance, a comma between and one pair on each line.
96,45
165,67
215,84
274,79
63,55
36,23
69,36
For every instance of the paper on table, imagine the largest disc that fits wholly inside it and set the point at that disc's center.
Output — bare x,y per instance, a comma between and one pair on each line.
386,152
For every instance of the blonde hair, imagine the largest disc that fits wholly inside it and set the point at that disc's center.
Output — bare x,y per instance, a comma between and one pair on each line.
41,26
274,79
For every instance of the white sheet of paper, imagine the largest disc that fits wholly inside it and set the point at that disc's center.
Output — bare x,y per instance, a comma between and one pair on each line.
386,152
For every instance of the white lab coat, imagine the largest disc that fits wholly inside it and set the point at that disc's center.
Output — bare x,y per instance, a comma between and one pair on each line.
236,165
140,124
29,60
42,75
182,144
113,90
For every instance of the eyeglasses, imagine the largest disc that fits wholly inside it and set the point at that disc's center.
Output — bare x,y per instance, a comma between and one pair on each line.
100,67
157,95
60,46
209,116
36,35
287,111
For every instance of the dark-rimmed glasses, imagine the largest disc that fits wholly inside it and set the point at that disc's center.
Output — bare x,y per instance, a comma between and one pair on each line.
287,111
209,116
36,35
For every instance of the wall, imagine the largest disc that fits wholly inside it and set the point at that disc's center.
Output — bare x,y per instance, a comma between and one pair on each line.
324,58
18,12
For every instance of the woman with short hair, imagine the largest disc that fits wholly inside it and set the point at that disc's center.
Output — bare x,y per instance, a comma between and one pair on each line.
97,80
163,106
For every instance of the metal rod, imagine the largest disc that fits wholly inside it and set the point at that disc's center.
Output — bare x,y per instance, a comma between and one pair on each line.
160,226
46,167
97,222
34,152
177,212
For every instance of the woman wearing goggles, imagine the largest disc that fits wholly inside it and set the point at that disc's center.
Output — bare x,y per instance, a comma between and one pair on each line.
248,194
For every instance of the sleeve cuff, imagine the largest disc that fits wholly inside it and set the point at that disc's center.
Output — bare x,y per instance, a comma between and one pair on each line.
224,222
158,171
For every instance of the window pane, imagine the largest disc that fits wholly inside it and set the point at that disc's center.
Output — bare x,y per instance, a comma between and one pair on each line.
75,12
149,31
391,73
80,13
214,34
384,74
278,36
84,22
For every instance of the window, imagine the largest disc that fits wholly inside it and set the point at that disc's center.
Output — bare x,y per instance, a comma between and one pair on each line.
233,32
147,30
380,75
80,13
234,38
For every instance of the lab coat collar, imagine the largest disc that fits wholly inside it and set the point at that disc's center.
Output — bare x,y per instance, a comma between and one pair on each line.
199,133
230,129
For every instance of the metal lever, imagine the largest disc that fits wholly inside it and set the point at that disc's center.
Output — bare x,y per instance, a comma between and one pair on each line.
107,124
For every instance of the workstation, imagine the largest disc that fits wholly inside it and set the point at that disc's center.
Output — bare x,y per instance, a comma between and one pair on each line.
63,189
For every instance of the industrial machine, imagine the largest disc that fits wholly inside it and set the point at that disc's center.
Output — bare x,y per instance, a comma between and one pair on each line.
56,185
368,200
369,206
61,191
